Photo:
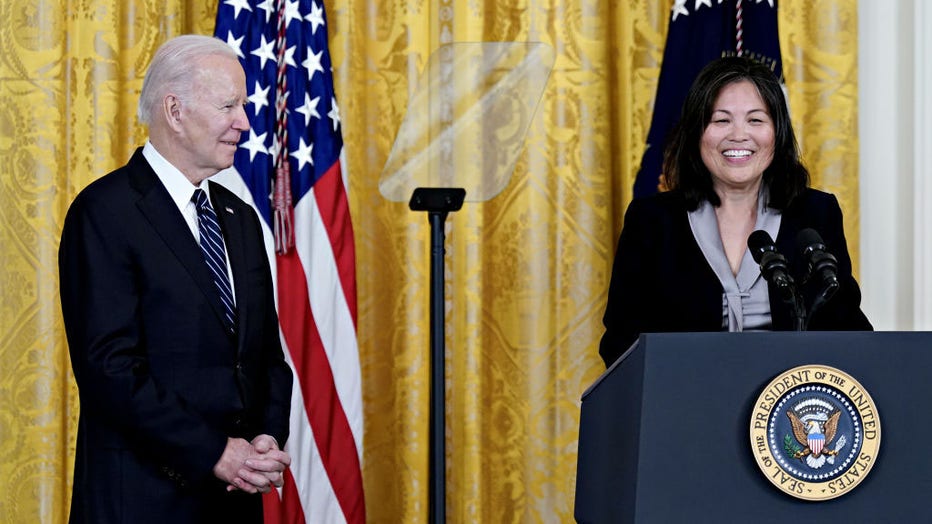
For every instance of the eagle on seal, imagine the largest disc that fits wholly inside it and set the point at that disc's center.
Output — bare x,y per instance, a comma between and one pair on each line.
814,432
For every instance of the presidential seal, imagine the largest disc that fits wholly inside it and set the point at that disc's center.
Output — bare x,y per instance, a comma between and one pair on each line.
815,432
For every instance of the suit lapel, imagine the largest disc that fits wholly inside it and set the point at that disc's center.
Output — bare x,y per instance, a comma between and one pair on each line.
157,206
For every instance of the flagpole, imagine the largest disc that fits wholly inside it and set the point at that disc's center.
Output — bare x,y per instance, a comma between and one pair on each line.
438,202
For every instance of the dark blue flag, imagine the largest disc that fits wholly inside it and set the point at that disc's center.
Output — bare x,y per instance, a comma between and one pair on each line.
701,31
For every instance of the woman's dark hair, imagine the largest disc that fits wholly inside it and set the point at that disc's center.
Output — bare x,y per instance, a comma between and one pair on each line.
683,168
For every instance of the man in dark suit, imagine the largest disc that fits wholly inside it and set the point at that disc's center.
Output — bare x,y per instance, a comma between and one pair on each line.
185,392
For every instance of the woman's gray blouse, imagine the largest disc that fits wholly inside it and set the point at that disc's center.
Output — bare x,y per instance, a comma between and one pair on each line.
745,301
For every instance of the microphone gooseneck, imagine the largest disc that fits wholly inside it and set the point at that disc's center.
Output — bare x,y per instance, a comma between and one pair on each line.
775,270
772,264
822,265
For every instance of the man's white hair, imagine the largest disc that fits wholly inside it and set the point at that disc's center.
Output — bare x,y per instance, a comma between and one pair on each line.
174,68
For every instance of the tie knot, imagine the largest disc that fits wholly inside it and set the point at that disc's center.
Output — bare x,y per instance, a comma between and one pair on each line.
200,199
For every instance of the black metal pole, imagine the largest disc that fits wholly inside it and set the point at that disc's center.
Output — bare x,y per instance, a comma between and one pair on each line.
438,202
437,505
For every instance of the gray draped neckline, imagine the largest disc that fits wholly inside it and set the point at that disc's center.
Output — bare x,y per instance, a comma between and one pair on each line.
745,300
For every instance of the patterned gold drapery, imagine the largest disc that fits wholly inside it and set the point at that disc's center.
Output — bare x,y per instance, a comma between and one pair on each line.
526,271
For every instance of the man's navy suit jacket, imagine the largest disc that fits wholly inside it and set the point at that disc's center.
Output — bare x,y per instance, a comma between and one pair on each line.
162,383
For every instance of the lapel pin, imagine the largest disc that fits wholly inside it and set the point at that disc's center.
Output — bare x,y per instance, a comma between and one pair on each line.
230,211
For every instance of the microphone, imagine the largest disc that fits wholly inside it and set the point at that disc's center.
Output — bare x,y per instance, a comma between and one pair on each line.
823,266
772,264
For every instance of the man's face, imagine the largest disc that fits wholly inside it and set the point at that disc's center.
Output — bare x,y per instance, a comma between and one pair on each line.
214,119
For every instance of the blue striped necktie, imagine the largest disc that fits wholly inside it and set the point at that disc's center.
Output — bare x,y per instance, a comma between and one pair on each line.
214,254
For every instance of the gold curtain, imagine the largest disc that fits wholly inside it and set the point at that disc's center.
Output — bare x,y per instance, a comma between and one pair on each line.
70,73
526,271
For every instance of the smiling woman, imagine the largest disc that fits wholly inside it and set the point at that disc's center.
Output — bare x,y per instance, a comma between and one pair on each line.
733,167
737,145
736,148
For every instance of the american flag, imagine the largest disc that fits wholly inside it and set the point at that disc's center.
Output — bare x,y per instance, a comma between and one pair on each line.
288,167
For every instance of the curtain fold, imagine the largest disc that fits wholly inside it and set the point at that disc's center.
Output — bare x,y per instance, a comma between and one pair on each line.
527,271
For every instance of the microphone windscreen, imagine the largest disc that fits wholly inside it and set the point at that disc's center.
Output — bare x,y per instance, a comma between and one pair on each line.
807,238
758,243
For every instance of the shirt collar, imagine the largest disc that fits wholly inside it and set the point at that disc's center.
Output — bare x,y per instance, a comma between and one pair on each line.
179,187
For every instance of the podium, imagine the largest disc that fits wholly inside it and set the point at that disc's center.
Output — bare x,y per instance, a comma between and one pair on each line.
664,432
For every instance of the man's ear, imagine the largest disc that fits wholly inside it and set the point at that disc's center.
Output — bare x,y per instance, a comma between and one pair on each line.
171,110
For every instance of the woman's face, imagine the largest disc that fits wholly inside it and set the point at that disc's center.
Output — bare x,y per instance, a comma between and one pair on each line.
737,144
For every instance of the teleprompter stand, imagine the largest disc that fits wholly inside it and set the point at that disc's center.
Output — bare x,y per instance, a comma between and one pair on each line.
438,202
462,134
